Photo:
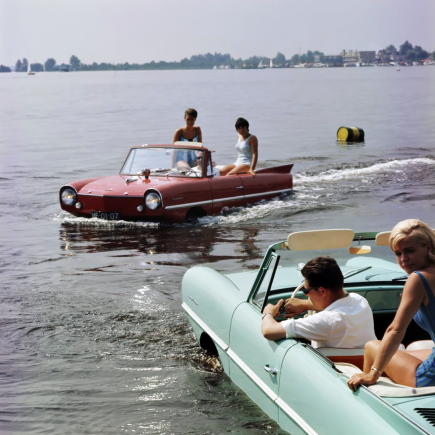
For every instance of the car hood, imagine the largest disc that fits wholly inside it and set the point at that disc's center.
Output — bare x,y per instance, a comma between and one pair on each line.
118,185
243,280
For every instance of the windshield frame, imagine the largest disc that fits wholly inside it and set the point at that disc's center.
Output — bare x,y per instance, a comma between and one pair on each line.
282,246
170,172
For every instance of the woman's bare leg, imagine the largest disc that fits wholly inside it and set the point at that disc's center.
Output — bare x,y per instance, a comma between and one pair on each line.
238,169
226,169
420,354
401,368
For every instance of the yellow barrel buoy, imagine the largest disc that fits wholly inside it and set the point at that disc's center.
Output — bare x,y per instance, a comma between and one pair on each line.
350,134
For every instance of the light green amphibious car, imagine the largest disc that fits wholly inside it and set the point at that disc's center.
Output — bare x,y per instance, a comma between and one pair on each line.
305,389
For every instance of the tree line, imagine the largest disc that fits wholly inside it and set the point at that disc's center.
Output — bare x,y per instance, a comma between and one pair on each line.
410,53
49,65
406,51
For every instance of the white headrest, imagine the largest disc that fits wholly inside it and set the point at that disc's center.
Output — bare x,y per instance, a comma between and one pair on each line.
188,144
319,239
383,239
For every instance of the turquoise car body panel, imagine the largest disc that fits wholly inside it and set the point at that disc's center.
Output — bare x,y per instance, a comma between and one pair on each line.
289,380
320,395
256,355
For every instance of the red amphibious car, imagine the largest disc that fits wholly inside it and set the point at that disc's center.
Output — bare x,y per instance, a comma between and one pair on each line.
170,183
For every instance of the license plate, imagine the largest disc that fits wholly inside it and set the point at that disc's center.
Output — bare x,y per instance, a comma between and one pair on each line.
107,215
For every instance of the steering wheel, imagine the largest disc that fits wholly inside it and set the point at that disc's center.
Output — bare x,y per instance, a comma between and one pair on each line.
295,291
190,172
293,296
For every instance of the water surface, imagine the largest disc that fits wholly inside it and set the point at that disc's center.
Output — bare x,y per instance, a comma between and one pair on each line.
93,337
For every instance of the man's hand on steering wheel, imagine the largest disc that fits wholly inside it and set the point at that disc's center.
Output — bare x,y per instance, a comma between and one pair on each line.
295,307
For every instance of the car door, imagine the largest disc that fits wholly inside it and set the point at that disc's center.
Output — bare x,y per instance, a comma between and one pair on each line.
255,362
227,191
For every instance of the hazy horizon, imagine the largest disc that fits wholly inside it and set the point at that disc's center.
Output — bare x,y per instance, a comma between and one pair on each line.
140,31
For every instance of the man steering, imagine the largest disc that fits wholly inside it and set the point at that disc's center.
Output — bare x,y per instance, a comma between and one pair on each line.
343,320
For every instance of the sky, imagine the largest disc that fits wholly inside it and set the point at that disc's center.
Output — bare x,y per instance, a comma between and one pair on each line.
139,31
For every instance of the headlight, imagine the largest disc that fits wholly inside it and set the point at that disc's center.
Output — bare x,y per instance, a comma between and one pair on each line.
69,197
153,201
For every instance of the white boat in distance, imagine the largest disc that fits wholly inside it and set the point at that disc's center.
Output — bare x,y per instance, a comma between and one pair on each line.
29,70
261,66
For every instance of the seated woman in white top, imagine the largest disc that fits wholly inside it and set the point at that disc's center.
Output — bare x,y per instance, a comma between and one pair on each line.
247,147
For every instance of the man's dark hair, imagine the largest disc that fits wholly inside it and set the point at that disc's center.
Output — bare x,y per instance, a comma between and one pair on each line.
242,122
323,272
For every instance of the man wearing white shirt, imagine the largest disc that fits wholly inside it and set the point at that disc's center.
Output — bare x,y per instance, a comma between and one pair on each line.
342,319
197,170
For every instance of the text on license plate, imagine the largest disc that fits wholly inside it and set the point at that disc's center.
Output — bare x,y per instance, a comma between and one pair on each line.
108,215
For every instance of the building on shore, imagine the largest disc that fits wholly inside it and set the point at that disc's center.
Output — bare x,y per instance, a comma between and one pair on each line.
358,58
350,57
332,60
367,57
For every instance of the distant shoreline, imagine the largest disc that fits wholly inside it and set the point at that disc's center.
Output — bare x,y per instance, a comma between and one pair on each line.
219,69
407,55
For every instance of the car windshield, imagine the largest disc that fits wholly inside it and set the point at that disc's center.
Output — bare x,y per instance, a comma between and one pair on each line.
176,162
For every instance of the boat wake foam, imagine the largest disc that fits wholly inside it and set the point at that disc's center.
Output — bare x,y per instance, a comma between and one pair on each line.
95,222
356,173
262,209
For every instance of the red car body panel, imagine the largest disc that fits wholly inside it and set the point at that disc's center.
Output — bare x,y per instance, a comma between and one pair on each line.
203,195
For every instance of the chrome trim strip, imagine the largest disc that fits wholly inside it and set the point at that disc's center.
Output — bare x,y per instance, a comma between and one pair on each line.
71,187
153,188
232,198
200,323
108,196
162,205
267,390
267,193
190,204
193,300
336,351
295,417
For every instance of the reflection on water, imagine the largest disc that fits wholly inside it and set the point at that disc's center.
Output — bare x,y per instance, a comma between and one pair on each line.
199,244
349,145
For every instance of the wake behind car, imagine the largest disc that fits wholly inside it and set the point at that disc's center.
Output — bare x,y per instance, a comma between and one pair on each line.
301,387
170,183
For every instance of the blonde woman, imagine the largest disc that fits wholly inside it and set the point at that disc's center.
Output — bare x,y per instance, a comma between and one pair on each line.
413,243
